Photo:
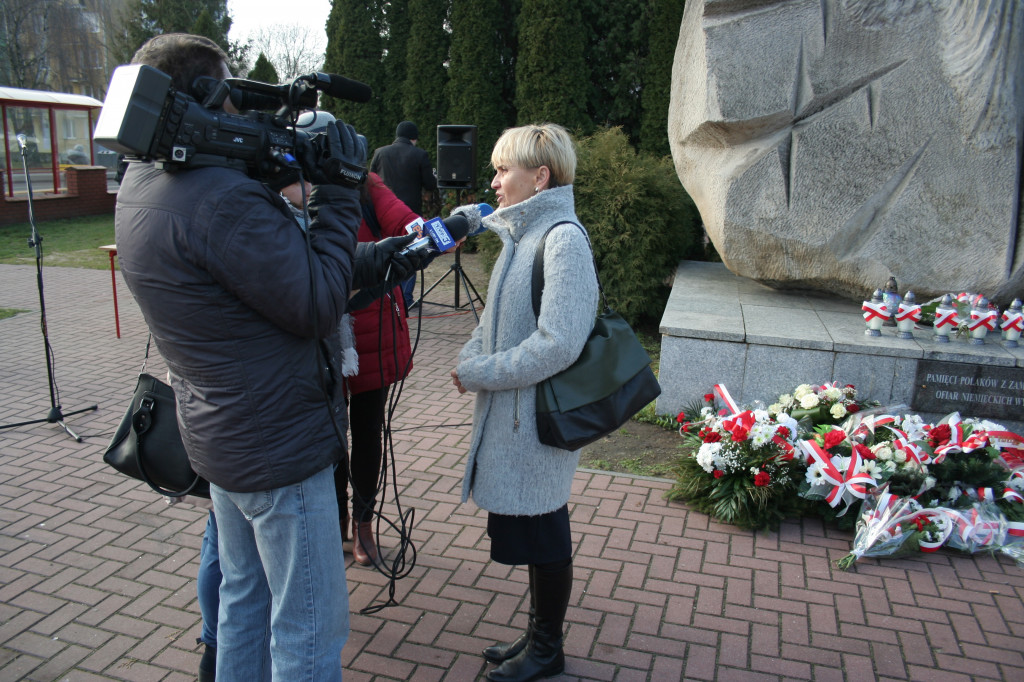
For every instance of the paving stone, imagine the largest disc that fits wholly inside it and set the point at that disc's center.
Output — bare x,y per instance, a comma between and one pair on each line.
97,572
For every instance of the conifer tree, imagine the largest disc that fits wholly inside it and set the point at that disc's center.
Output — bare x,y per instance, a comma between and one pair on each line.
263,70
665,19
423,98
551,71
616,45
144,19
478,74
355,50
396,19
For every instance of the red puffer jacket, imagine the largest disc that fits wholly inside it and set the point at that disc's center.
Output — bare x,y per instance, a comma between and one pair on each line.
381,329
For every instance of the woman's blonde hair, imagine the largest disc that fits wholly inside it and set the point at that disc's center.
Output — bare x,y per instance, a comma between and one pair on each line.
533,146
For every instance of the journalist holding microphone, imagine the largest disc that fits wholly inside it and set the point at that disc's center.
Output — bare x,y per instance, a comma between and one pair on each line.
238,309
523,484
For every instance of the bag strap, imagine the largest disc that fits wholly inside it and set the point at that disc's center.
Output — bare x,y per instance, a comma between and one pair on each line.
537,284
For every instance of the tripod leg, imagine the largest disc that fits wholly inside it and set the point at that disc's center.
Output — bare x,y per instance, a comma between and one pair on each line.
469,287
434,285
69,431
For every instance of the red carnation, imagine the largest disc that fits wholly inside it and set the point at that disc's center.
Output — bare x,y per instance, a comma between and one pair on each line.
853,408
681,417
710,436
939,435
709,397
719,473
849,385
864,451
740,434
782,431
834,438
761,478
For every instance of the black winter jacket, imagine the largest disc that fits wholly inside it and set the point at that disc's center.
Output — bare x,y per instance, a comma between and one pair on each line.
405,169
219,269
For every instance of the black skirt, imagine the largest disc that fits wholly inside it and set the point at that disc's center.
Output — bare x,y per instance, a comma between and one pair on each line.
517,540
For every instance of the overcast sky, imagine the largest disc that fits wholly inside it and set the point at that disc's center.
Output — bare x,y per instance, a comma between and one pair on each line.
248,15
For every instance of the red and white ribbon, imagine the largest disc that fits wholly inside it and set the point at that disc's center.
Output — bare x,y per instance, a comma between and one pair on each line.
1011,495
723,393
871,422
985,318
1014,532
972,528
846,485
945,318
956,439
1004,439
908,312
1012,322
873,310
788,451
912,450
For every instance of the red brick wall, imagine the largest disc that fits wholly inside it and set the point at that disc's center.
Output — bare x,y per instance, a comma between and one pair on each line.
87,195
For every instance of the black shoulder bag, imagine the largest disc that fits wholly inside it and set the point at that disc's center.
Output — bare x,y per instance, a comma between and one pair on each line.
147,444
610,381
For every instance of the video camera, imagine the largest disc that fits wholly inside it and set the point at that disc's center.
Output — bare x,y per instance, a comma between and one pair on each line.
146,119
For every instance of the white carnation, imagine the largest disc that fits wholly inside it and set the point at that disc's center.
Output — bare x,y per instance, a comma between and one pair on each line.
774,408
706,456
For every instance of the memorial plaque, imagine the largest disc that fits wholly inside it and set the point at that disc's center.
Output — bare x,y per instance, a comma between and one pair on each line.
973,390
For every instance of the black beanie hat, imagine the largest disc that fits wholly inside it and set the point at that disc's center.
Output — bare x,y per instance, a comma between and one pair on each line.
407,129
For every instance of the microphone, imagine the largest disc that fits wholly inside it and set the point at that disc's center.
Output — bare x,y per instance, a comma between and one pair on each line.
339,86
22,141
441,235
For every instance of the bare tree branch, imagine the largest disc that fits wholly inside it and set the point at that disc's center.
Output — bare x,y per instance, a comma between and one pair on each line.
293,49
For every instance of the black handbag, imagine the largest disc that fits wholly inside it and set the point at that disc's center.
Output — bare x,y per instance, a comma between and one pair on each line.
147,444
610,381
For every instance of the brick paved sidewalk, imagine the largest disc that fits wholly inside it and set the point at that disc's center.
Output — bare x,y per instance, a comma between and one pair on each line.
97,573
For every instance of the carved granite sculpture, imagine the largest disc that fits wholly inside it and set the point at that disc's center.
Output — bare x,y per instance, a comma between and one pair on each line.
831,144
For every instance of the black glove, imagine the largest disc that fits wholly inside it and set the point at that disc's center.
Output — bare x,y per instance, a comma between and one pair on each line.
336,156
379,260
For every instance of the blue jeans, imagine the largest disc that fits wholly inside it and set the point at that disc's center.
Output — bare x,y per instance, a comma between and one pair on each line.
208,582
283,599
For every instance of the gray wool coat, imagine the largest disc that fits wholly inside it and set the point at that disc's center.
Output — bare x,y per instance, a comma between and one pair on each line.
508,470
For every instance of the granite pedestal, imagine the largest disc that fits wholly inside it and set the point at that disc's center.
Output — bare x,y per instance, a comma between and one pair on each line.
760,342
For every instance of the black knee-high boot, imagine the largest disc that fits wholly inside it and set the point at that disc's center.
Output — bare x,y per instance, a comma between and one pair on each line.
500,652
543,655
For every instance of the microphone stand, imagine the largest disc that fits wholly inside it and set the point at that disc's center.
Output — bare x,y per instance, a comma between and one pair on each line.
55,415
460,275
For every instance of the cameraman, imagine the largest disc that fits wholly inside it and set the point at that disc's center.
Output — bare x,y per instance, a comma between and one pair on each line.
238,309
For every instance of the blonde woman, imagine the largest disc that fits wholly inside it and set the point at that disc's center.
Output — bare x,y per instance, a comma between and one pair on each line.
523,484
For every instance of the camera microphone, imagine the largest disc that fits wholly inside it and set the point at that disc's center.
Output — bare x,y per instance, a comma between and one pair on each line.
339,86
442,235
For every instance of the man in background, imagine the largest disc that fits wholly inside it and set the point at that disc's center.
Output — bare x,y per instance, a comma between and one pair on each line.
406,170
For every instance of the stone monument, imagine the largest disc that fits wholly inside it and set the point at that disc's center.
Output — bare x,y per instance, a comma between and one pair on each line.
831,144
